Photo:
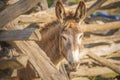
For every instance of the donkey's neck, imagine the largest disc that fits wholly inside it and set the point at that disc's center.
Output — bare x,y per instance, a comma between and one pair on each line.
50,41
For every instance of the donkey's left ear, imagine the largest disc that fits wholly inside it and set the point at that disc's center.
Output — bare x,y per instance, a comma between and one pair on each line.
60,11
80,13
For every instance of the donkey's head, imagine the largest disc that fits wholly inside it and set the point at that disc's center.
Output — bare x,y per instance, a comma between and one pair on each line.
71,35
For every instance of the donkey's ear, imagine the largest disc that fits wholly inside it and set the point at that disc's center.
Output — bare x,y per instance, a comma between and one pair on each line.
60,11
80,11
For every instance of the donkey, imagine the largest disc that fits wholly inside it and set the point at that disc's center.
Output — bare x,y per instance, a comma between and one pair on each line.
64,36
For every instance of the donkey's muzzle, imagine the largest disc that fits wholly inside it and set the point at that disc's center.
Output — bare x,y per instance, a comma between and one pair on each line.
73,66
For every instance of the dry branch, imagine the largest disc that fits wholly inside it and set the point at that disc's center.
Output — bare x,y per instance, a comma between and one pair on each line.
100,27
83,27
15,10
105,39
104,62
103,50
44,16
95,6
29,33
111,5
44,4
81,78
95,71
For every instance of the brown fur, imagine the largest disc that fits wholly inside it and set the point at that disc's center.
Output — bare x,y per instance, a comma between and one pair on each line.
51,40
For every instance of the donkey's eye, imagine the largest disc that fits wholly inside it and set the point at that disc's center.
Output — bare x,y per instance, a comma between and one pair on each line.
63,37
80,36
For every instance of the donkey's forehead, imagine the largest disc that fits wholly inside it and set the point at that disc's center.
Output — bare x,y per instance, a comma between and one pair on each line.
71,25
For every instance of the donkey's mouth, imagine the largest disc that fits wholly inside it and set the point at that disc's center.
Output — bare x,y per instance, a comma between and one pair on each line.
73,66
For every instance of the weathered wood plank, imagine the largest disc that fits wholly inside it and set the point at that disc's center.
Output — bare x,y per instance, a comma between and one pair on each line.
95,71
100,39
15,10
104,62
81,78
111,5
29,33
95,6
100,27
44,4
44,16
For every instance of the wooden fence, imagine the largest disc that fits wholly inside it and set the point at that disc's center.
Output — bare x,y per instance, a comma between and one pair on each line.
30,61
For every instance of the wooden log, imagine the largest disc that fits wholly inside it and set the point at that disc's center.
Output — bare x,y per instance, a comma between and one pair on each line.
103,50
3,4
95,6
15,10
44,4
87,60
44,16
112,5
29,33
104,62
100,27
37,79
101,39
39,17
10,2
17,62
63,70
81,78
95,71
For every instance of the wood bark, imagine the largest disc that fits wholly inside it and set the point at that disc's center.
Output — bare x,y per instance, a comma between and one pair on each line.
95,71
101,39
44,16
29,33
111,5
104,62
95,6
15,10
81,78
100,27
41,18
44,4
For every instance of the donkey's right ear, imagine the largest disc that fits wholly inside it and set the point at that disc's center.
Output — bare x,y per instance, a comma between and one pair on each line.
60,11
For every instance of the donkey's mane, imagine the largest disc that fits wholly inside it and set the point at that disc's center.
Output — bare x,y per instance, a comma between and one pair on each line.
50,38
49,25
49,29
55,23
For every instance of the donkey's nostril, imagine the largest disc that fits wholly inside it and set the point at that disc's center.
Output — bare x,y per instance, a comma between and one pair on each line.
73,66
70,62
